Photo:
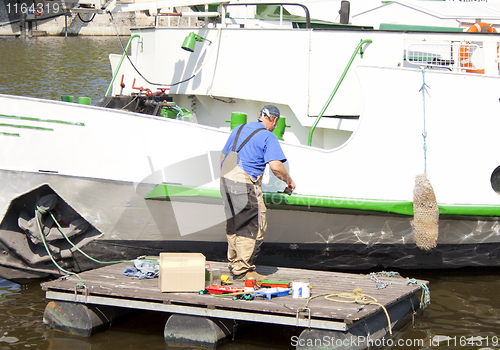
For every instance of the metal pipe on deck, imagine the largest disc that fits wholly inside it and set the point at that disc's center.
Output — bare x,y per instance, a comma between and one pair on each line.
120,63
318,118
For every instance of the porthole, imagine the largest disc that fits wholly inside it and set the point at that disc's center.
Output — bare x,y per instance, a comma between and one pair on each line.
495,180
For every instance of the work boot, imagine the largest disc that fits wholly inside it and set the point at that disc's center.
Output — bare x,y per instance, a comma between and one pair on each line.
241,276
254,274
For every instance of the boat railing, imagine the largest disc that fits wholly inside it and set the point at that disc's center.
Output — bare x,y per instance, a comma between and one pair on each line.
242,19
120,63
454,56
359,49
281,17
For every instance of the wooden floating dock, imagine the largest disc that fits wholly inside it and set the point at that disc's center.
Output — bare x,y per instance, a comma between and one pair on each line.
107,290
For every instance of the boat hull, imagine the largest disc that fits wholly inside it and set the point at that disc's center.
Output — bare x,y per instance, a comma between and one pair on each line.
103,165
125,226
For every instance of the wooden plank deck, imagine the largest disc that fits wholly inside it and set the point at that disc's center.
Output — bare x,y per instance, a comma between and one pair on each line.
108,286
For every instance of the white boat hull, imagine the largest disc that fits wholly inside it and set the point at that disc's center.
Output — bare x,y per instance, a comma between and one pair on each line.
353,206
130,226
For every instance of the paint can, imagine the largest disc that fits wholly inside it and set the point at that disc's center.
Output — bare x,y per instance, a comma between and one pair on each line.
250,283
301,289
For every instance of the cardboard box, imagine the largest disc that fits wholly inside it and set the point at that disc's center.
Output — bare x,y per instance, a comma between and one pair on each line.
182,272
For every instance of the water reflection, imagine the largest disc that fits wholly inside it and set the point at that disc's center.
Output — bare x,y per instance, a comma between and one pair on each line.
7,289
48,67
21,312
463,305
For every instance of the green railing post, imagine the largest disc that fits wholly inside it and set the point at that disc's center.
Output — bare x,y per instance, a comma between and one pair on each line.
358,48
120,64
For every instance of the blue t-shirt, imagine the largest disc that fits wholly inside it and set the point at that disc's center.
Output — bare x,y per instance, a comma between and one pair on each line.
262,148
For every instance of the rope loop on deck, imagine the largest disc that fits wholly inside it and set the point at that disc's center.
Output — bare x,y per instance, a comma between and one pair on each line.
356,297
81,284
374,276
425,298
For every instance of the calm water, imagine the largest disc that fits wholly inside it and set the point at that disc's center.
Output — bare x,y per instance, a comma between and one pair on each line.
49,67
464,303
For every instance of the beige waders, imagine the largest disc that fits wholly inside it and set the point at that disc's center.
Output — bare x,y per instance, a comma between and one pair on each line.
245,213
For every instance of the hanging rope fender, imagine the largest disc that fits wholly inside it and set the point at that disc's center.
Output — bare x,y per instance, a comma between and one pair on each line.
425,223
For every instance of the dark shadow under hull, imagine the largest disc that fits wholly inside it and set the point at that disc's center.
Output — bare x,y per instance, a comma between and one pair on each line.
331,257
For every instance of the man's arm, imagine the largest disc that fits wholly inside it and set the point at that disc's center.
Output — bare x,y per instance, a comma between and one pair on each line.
281,173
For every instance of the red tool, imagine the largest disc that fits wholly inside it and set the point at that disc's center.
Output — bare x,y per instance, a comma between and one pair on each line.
217,289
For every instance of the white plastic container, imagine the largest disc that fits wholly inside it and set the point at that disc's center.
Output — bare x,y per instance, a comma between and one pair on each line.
301,289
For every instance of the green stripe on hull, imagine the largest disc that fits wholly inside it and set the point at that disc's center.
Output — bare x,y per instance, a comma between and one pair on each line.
42,120
469,210
8,134
166,192
26,127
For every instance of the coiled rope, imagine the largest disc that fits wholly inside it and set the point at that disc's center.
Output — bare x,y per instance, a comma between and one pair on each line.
356,297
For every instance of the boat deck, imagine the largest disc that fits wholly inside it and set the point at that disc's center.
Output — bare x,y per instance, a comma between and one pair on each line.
108,286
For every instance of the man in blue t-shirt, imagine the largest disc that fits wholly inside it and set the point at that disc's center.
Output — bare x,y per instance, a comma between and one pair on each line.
248,150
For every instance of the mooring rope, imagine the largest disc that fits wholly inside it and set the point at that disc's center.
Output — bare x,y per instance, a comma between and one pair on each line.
37,218
81,251
60,229
424,90
356,297
425,298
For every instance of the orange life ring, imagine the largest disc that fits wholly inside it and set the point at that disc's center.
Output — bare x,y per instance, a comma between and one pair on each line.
481,27
465,61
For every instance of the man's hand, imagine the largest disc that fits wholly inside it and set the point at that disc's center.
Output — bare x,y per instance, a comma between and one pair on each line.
281,173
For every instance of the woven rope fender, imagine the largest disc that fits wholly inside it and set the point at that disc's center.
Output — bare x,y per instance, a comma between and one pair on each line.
425,214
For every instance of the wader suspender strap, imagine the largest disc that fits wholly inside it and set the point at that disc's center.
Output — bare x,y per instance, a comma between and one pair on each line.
246,140
233,214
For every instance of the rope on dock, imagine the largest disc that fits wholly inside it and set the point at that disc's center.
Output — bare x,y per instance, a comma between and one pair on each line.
374,276
355,297
425,298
